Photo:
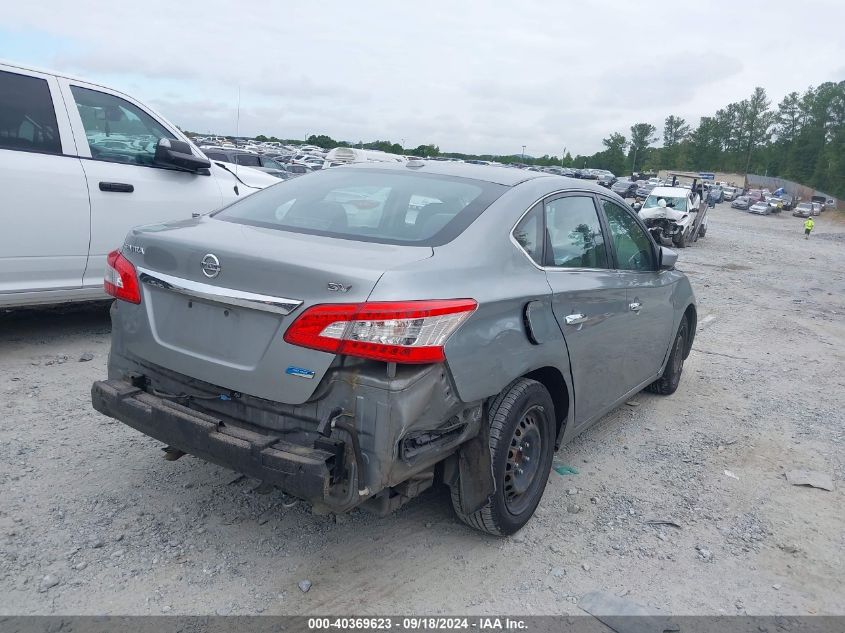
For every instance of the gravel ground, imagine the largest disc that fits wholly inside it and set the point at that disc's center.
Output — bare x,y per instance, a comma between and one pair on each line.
94,521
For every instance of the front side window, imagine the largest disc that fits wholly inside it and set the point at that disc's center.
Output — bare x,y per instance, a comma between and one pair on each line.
27,117
116,130
369,205
633,246
574,233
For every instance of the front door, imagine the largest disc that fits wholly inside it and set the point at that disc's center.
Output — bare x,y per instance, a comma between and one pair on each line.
117,139
589,302
650,318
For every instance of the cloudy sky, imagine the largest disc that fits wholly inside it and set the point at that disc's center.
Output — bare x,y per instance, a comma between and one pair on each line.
475,76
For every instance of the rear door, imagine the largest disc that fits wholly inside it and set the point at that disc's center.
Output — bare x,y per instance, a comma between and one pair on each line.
589,302
116,137
649,319
44,211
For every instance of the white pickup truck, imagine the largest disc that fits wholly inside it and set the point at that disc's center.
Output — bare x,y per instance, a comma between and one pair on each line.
80,164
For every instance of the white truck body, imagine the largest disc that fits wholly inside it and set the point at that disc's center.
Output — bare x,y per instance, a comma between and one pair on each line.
76,174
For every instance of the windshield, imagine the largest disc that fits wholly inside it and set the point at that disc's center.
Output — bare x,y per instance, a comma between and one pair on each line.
679,204
805,205
369,205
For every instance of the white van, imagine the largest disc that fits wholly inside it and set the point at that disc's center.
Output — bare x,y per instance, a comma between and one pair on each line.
354,155
81,164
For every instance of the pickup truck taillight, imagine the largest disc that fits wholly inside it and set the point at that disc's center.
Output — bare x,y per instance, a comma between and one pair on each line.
392,331
120,280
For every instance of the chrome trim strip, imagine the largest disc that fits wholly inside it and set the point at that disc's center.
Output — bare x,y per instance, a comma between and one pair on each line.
228,296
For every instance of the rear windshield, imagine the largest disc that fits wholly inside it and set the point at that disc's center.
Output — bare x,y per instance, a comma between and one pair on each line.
371,205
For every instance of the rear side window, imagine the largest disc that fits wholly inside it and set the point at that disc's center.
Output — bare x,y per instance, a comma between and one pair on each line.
116,130
529,234
27,118
376,205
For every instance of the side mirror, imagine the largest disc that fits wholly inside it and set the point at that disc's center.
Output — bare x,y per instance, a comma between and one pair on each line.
177,155
668,258
637,206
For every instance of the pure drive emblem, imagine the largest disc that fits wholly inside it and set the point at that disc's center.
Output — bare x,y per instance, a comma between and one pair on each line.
210,266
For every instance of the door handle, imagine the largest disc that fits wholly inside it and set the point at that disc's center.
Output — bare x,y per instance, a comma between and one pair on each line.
117,187
635,306
575,319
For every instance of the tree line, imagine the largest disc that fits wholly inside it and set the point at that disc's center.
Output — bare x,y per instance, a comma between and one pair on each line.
802,138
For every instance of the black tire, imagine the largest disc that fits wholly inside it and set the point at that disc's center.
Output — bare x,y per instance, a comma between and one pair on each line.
702,231
680,240
524,409
667,384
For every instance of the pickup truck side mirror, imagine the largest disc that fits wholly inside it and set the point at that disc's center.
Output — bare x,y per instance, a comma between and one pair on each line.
668,258
177,155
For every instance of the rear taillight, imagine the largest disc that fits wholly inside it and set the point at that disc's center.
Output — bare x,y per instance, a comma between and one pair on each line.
120,280
394,331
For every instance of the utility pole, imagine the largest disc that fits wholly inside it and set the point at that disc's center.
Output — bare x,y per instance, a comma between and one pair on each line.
403,147
523,153
634,164
562,157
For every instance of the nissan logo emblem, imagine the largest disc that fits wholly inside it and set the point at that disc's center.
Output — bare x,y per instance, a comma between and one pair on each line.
210,266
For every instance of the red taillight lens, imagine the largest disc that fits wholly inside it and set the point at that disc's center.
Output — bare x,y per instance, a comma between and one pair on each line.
393,331
120,280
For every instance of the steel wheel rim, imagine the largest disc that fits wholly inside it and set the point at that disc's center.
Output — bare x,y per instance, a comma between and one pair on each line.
522,465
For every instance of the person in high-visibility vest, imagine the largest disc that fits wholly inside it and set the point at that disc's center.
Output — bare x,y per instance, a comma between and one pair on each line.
808,226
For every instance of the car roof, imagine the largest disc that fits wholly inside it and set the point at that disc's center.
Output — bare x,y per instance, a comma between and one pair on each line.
507,176
670,191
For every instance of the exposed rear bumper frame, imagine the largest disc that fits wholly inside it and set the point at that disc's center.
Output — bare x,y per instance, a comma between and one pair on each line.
301,471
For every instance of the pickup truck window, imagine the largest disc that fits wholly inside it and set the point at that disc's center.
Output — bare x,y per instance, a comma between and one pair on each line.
27,118
117,131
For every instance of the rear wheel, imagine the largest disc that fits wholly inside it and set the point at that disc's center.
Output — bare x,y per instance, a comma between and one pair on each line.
667,384
522,437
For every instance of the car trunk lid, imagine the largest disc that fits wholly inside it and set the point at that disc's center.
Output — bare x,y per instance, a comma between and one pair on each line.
219,296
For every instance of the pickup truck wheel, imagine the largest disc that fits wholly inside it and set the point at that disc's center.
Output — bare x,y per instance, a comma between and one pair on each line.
679,240
522,436
667,384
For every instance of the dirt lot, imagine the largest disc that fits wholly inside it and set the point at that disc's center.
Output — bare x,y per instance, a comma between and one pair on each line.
94,521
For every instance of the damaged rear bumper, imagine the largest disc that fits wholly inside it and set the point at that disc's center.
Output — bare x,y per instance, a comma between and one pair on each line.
301,471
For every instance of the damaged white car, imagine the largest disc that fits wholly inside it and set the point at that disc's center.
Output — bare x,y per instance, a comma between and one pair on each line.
670,214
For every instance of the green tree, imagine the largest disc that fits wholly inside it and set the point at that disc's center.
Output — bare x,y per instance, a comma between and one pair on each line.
321,140
613,157
642,135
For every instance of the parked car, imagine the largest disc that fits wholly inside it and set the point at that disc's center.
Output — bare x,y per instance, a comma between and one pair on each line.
803,210
624,188
249,159
730,193
644,190
297,169
82,164
775,203
817,208
742,203
463,346
606,179
760,208
754,195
